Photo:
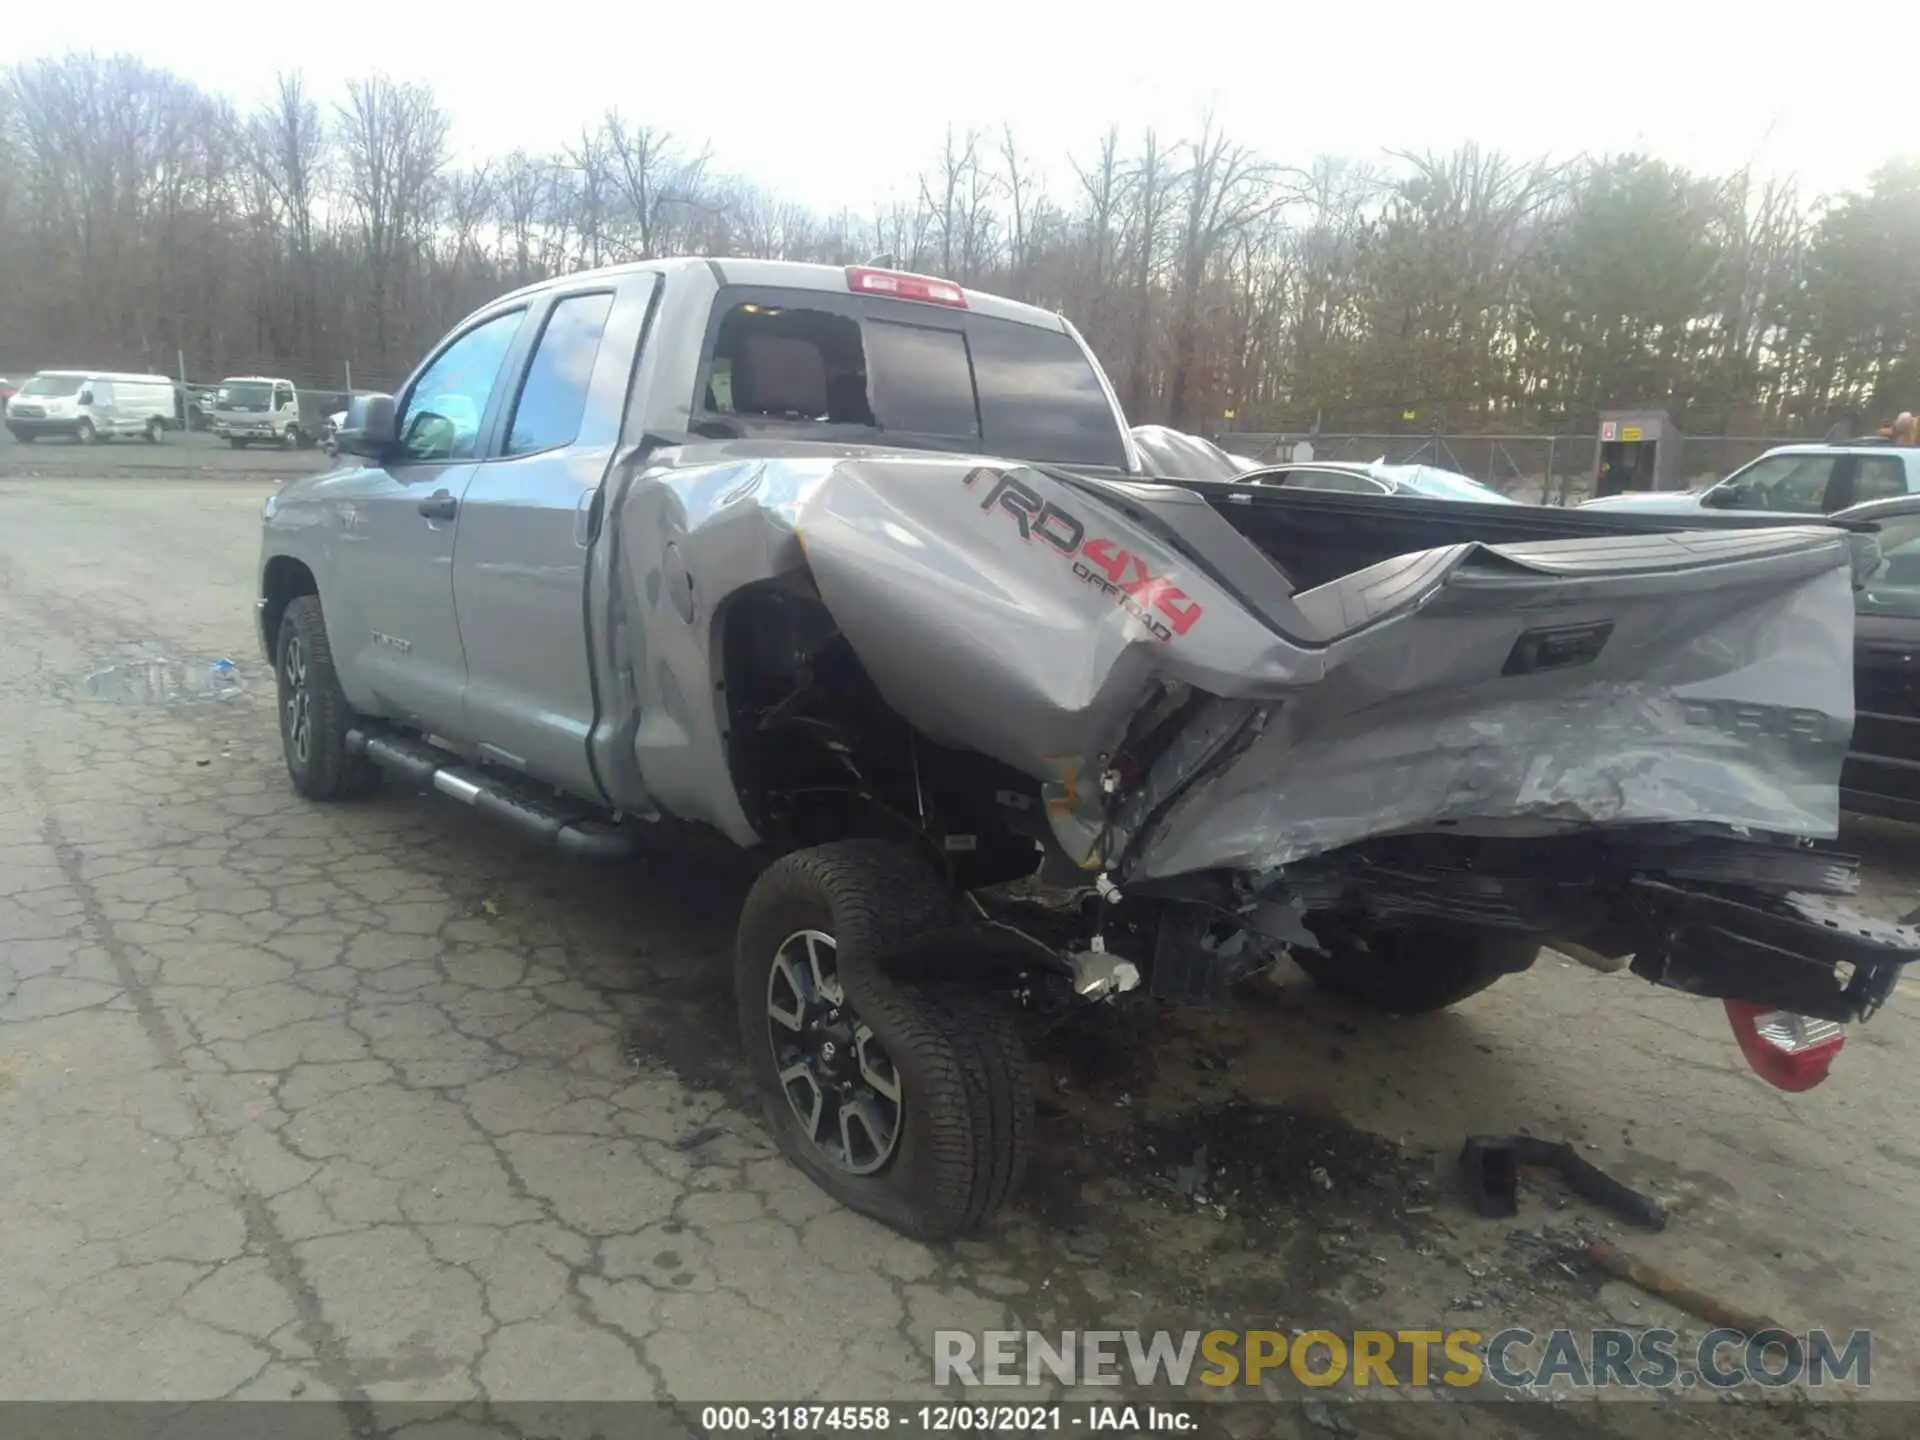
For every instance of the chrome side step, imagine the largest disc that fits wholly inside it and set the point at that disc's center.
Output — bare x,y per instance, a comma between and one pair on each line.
571,827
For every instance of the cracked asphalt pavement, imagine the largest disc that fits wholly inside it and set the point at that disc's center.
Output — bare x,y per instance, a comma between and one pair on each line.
374,1101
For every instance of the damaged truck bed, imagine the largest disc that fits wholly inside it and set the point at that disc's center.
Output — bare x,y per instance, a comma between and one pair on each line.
865,568
1623,744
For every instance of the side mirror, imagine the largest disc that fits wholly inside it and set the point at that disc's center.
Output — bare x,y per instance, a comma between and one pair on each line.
1722,497
86,397
370,429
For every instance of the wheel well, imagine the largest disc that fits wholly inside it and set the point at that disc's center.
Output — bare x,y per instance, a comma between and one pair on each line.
818,754
284,581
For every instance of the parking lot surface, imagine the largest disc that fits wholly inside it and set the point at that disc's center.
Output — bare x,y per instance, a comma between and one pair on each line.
372,1101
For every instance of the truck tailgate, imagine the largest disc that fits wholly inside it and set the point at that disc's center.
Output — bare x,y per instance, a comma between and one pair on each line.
1618,680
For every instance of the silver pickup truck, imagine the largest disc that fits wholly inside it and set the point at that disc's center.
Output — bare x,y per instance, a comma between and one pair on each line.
866,569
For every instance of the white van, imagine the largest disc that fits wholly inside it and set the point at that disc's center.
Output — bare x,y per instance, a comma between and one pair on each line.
90,405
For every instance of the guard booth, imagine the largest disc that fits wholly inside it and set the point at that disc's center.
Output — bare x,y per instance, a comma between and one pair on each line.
1639,450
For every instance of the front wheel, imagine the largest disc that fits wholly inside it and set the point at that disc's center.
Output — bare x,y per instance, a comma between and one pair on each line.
84,433
154,429
314,716
237,442
290,438
1416,971
911,1106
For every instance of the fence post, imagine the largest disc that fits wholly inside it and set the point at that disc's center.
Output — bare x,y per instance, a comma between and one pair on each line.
349,367
1546,485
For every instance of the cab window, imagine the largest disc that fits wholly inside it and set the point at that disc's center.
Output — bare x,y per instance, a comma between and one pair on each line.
553,397
1793,484
1876,477
444,409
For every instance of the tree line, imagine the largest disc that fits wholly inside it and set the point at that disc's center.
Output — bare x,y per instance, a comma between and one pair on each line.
142,216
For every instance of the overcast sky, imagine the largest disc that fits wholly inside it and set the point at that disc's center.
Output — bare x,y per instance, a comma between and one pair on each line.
836,104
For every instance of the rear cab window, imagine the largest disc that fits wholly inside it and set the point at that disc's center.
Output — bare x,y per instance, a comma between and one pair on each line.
929,376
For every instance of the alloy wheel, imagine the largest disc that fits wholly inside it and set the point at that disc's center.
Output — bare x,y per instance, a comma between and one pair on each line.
299,714
841,1083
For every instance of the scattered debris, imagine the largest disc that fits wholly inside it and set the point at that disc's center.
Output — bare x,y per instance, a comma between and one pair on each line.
1636,1272
1089,1243
490,905
1323,1416
1490,1166
1270,1164
696,1138
155,680
1490,1169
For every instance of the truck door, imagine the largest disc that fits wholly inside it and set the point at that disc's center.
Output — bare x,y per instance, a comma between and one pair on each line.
527,525
286,420
389,601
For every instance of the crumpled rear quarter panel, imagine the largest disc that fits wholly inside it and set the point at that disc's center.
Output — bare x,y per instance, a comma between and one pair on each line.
1034,632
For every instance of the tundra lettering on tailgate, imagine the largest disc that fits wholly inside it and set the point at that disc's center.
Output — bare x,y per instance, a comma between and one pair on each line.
1156,602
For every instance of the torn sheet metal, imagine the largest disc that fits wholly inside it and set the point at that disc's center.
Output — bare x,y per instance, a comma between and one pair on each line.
1030,616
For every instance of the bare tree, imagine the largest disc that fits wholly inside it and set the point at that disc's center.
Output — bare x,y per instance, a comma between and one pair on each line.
1226,189
655,180
393,137
139,217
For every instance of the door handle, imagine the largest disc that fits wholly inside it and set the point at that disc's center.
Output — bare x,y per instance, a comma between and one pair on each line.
440,505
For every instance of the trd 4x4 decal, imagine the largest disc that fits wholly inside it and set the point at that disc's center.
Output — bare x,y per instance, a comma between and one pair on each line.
1157,603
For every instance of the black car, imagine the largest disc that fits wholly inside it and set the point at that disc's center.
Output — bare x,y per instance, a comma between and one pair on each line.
1882,773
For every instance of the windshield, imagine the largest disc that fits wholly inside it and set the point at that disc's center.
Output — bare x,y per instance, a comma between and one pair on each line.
53,385
245,397
1442,484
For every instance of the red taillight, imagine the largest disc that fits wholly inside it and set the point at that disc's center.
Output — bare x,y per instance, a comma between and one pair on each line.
1789,1052
899,285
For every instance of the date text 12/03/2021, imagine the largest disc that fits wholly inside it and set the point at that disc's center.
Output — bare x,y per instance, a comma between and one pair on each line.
948,1418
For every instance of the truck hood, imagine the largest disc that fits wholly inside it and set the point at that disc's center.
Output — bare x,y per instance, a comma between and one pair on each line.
1036,616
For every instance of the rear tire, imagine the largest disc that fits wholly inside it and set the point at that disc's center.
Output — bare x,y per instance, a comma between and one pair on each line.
1417,971
314,716
816,935
154,430
999,1077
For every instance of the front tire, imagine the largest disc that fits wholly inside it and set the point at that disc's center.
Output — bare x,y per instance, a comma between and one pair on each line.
314,716
911,1106
84,433
154,429
1416,971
